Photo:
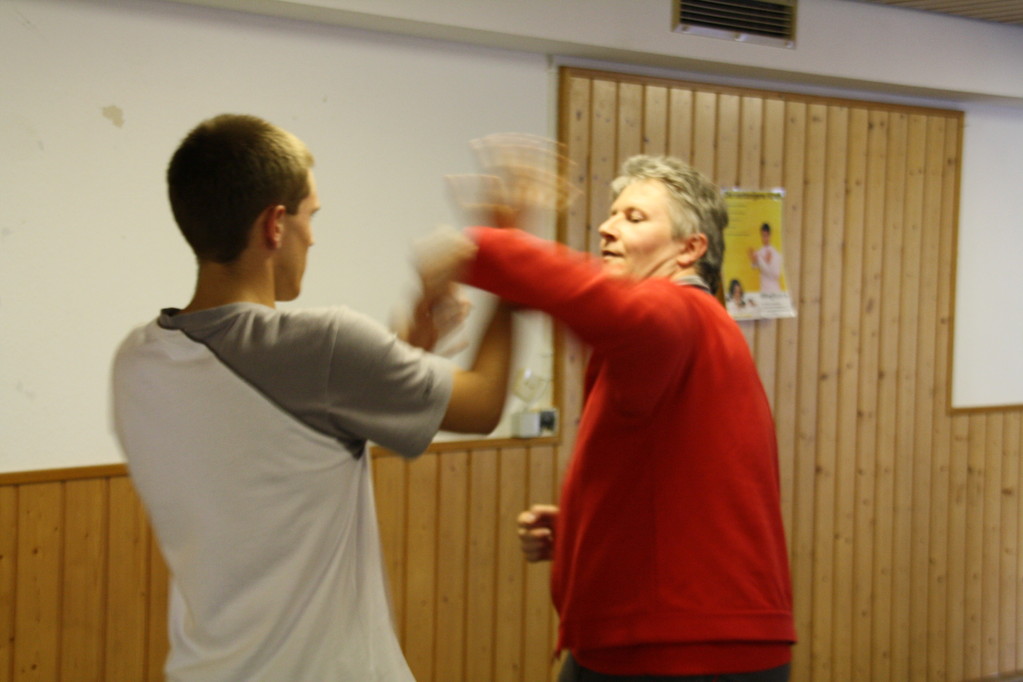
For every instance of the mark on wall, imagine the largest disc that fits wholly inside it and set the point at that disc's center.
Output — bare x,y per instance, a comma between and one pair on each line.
115,114
23,390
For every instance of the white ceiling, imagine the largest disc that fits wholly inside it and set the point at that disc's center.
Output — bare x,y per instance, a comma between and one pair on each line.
1001,11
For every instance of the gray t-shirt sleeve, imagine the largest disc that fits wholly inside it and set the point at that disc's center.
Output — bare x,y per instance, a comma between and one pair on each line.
336,370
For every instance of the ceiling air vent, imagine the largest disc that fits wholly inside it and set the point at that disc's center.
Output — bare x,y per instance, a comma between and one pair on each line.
771,22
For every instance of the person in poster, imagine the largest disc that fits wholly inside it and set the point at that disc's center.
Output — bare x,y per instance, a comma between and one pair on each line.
768,260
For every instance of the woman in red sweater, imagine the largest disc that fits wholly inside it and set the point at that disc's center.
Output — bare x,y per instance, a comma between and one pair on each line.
669,555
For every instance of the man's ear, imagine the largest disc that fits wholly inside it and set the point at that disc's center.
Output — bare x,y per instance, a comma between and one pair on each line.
691,250
270,225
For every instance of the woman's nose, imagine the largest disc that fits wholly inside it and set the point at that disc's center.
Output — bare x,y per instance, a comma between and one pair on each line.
607,229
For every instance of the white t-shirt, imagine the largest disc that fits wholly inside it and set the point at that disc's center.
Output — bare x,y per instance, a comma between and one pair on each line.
245,431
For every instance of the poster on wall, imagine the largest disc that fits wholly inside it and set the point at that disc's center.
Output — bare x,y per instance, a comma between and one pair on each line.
753,271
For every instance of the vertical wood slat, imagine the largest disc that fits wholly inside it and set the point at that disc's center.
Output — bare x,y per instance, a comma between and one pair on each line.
390,482
887,402
973,641
992,538
602,162
655,126
847,382
786,387
511,570
157,643
829,374
452,542
37,607
906,468
128,569
867,400
1008,585
481,574
539,635
9,526
421,567
809,575
85,559
931,429
958,533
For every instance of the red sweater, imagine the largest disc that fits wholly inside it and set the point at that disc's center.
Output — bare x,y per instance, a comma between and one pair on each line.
670,554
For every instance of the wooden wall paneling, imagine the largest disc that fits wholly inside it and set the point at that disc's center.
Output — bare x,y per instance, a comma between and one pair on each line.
511,499
481,565
848,384
84,586
452,552
390,483
37,607
655,120
8,579
421,565
538,635
127,583
157,644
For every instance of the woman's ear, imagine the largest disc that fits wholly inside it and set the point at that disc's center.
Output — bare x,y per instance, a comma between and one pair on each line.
691,250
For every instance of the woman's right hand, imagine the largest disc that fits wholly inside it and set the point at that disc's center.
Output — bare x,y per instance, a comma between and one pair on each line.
536,532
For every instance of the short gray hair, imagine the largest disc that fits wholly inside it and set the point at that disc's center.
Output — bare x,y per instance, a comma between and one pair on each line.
697,206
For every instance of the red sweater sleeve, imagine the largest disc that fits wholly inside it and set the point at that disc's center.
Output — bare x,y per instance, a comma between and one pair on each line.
568,285
623,320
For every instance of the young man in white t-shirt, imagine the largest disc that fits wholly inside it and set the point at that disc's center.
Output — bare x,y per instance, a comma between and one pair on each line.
245,427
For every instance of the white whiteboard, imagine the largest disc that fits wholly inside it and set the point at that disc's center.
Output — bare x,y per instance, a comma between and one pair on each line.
988,342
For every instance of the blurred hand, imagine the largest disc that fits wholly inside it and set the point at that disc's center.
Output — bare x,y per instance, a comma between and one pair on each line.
435,320
536,532
523,175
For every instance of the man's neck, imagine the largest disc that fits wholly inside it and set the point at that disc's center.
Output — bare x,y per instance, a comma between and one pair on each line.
221,284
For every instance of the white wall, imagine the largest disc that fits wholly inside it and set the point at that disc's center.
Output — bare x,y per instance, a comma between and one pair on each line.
97,93
843,47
